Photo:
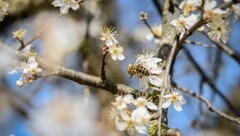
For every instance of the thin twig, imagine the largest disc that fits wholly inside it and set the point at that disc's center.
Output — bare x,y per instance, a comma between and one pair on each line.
166,85
225,48
150,28
209,81
103,71
199,44
76,76
209,105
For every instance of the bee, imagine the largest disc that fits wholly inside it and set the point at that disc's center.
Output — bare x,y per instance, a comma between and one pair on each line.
139,70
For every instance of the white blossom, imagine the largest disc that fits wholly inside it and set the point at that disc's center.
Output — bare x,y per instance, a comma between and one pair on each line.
121,102
65,5
29,69
143,102
136,122
235,8
147,69
116,52
65,115
174,98
189,6
182,23
148,60
153,79
109,36
219,30
210,11
3,9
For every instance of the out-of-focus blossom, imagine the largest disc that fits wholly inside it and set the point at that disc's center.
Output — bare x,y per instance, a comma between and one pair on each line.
135,122
210,10
109,36
189,6
29,69
219,30
6,59
174,98
65,35
116,52
235,8
20,82
65,5
65,115
157,30
19,34
3,9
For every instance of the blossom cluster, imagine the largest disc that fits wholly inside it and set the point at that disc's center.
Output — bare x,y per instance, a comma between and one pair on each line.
191,11
29,69
109,36
65,5
147,69
132,114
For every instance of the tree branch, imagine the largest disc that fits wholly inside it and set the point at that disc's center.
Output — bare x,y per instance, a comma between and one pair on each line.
79,77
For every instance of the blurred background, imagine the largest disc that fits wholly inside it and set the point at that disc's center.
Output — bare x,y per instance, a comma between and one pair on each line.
58,107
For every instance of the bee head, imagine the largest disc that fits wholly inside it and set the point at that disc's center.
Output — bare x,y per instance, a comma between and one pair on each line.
131,70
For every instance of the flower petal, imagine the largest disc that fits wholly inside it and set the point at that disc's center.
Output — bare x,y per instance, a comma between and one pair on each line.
142,129
151,106
121,125
155,80
177,105
167,104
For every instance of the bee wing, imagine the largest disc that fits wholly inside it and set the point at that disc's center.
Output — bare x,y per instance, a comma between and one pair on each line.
156,71
155,80
143,83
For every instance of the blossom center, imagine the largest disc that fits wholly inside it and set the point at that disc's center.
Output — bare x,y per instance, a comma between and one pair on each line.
189,8
141,103
116,51
131,123
181,23
174,98
219,29
68,1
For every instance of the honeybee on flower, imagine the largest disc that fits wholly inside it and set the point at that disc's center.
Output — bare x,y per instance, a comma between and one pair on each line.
147,70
